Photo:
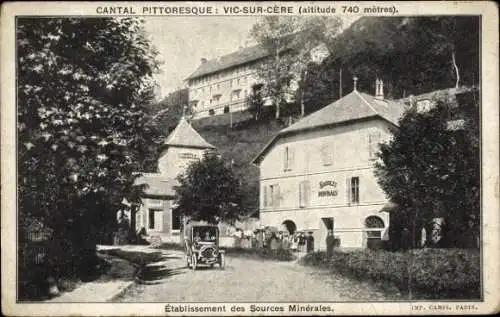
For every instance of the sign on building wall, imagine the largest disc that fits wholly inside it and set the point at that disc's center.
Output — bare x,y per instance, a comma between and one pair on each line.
328,188
187,156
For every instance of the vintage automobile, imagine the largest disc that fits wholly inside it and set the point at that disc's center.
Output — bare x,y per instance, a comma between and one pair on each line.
202,246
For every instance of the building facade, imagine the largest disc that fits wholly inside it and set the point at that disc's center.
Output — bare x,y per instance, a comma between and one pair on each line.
156,214
317,174
222,85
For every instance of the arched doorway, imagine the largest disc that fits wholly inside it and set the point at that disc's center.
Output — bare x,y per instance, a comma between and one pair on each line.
374,226
290,226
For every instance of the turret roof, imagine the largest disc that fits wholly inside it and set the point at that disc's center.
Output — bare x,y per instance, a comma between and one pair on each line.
185,136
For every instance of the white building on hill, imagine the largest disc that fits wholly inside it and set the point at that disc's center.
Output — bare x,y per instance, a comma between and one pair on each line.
222,85
317,174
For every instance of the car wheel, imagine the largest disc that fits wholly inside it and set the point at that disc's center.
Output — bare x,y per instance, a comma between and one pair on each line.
222,261
194,261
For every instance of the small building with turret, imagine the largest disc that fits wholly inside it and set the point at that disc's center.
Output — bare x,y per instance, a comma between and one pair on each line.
156,214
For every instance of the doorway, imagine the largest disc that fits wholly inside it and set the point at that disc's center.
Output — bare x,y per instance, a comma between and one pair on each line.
290,226
328,224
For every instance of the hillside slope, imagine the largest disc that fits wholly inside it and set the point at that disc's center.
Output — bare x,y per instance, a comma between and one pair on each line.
241,144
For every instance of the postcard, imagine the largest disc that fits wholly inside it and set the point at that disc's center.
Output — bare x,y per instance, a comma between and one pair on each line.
249,158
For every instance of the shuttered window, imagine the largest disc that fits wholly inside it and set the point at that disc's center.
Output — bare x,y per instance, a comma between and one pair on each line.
354,190
276,197
373,141
265,196
288,157
304,193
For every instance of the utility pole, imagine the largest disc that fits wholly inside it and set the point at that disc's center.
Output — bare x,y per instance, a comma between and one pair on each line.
340,83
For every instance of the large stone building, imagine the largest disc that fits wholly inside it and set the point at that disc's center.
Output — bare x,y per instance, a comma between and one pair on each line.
317,174
156,213
222,85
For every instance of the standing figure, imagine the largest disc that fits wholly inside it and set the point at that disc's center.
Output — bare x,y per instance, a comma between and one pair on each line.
330,239
310,242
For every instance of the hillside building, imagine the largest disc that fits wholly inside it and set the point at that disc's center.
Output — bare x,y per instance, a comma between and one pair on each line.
318,174
222,85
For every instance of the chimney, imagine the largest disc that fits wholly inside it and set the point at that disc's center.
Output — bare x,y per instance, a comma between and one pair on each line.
355,79
203,60
379,89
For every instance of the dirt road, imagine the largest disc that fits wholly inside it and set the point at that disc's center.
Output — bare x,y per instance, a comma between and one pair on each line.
246,280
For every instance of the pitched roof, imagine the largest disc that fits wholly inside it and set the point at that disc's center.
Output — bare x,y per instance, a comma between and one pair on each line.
354,106
239,57
185,136
158,185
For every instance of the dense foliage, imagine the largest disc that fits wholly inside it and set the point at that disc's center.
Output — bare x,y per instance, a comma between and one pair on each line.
290,43
240,145
435,273
430,171
83,86
412,55
209,191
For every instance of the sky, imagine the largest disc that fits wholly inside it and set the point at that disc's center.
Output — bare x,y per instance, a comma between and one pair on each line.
183,41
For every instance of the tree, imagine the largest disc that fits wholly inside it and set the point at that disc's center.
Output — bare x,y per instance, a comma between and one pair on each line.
209,191
290,42
431,171
255,102
412,55
83,86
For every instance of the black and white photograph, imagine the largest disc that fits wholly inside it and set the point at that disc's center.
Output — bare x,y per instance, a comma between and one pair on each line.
281,161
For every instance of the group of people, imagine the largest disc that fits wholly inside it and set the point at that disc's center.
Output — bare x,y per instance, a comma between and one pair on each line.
302,242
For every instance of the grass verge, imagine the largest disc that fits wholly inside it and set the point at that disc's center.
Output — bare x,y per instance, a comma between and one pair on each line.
435,273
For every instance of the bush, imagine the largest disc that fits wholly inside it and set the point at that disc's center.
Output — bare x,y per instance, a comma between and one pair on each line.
436,273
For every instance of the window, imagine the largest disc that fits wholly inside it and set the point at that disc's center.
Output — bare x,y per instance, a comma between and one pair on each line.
155,216
265,198
271,195
374,226
327,154
226,109
373,141
275,195
176,219
304,190
353,190
288,158
236,94
151,219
